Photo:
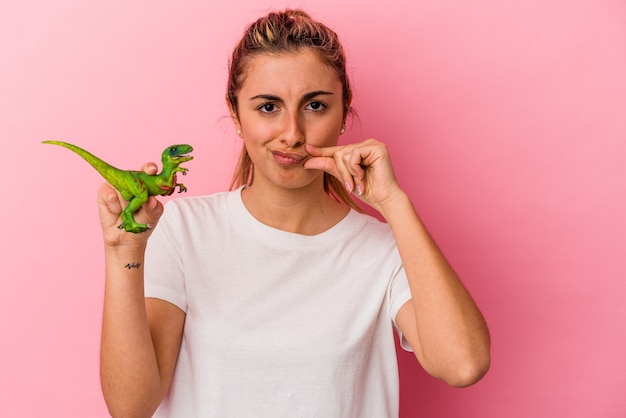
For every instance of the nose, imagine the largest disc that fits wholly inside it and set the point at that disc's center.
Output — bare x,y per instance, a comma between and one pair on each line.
292,134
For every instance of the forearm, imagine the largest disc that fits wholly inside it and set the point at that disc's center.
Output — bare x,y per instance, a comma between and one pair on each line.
451,335
129,371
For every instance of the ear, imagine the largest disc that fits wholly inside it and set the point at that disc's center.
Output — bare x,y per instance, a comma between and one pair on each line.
348,107
233,115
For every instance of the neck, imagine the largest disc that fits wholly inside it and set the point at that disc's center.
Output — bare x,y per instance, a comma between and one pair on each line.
306,211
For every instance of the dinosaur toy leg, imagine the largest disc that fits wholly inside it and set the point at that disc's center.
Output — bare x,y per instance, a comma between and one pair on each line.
128,220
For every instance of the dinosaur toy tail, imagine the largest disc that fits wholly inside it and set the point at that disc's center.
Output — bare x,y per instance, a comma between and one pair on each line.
104,168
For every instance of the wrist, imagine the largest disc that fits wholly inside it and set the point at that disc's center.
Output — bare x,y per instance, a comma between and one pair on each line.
396,201
127,256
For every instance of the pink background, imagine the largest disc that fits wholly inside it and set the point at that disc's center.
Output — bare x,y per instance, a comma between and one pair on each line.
505,119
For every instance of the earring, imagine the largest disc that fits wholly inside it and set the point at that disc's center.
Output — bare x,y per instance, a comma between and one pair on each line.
343,129
239,132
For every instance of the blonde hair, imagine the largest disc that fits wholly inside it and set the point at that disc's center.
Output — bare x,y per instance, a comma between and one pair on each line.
279,33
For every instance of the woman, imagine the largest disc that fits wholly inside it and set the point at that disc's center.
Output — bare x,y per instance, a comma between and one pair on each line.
278,298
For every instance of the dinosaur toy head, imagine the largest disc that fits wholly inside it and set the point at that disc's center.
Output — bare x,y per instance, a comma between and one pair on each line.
176,153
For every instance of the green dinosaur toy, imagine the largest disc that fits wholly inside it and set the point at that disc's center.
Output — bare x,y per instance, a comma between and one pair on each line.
137,186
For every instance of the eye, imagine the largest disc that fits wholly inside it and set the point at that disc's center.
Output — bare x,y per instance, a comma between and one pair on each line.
316,106
267,108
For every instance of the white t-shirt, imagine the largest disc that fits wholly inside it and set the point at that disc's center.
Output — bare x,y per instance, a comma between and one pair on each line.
277,324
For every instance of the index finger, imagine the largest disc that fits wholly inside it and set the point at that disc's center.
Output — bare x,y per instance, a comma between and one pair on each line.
109,204
149,168
321,151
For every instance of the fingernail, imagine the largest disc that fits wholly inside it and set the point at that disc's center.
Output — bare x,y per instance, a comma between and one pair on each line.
348,186
359,189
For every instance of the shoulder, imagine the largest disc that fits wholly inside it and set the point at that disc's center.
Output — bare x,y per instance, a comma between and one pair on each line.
190,220
194,204
370,230
369,223
195,210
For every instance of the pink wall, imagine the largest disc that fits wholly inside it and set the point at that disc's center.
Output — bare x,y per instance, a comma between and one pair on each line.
505,120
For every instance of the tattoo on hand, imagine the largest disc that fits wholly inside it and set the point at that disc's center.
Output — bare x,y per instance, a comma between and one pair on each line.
132,266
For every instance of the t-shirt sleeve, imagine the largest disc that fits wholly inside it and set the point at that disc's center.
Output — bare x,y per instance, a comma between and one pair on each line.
164,274
398,294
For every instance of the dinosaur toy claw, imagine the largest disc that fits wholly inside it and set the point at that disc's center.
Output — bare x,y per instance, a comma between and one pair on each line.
135,228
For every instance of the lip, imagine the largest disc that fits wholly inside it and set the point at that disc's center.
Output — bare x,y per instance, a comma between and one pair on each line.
288,158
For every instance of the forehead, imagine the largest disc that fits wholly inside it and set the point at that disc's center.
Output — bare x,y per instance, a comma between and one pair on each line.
289,73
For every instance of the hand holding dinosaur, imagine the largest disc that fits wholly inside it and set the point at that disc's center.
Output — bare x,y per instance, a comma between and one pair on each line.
110,207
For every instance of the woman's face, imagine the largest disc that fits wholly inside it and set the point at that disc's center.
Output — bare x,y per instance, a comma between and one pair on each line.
286,101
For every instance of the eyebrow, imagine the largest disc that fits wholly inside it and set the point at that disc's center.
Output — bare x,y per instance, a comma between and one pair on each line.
307,96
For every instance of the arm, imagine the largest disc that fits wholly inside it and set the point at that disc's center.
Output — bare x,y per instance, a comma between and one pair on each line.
441,323
140,337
